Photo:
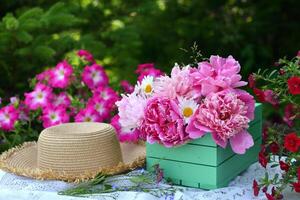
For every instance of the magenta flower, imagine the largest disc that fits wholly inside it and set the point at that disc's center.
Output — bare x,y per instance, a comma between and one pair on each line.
23,111
163,123
8,117
94,76
107,94
147,69
101,106
226,116
86,55
60,75
180,84
126,86
39,97
44,76
217,74
62,99
54,116
88,114
144,67
123,136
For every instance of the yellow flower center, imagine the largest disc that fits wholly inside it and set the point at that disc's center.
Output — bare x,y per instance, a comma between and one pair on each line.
88,119
40,95
148,88
187,112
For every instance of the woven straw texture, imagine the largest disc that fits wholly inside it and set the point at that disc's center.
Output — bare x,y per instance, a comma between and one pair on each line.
73,152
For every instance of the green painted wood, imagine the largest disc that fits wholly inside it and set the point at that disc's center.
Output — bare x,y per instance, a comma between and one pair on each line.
206,177
205,155
208,141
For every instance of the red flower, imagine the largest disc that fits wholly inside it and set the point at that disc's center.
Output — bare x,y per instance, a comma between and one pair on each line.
262,158
294,85
289,114
298,173
266,96
292,142
284,166
265,189
251,80
274,148
298,53
297,186
255,188
270,197
281,72
259,94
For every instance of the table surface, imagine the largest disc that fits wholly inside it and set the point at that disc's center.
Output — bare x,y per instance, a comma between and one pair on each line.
16,187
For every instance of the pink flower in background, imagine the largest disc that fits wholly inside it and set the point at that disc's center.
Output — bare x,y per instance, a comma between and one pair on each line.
61,99
162,122
23,111
226,116
86,55
101,106
94,76
54,116
107,94
44,76
290,114
180,84
88,114
39,97
126,86
147,69
123,136
131,112
266,96
8,117
60,75
217,74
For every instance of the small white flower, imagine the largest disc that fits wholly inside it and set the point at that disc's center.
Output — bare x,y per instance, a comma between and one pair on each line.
147,85
187,108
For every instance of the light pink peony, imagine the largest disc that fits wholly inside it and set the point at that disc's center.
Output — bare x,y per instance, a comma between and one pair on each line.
60,76
86,55
217,74
54,116
180,84
94,76
162,122
226,116
131,111
8,117
88,114
124,136
38,98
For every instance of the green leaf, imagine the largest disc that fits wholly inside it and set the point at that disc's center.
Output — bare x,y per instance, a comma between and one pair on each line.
24,36
44,52
29,14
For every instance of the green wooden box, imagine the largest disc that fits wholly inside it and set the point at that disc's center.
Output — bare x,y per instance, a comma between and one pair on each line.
201,163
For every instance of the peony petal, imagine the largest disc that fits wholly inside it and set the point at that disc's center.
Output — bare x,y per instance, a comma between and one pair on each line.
193,130
241,142
218,140
207,88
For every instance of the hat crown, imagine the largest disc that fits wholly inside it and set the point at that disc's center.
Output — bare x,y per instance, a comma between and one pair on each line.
76,148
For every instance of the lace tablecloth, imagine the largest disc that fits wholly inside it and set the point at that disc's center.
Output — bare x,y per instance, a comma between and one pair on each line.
15,187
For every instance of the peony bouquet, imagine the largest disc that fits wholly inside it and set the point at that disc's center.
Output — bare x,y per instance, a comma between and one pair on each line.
188,104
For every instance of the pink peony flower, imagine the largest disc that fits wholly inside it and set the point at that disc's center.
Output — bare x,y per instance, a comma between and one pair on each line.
101,106
88,114
131,112
44,76
39,97
61,99
162,122
8,117
217,74
180,84
60,75
123,136
226,116
54,116
107,94
86,55
126,86
147,69
94,76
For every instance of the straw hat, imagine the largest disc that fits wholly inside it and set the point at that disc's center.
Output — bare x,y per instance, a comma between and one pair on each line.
73,152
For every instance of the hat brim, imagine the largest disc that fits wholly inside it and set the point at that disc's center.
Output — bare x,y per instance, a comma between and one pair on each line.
22,160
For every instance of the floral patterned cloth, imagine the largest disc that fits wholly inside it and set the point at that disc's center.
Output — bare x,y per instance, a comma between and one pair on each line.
15,187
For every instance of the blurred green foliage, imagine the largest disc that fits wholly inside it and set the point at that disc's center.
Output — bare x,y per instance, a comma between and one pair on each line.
121,34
